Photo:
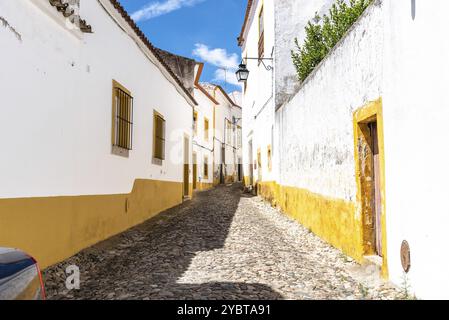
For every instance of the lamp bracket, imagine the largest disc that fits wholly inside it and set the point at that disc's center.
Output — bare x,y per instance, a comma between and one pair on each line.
261,60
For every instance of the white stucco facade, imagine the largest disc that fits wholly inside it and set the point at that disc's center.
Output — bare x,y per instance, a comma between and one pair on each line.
58,87
416,107
228,118
203,140
266,90
316,134
290,20
258,94
396,52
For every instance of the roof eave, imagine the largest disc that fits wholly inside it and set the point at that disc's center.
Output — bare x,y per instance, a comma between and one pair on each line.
241,38
124,14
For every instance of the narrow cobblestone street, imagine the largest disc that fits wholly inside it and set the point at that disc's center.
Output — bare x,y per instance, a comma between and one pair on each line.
221,245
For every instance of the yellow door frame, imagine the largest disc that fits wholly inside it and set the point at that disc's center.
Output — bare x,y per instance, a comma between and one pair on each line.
187,186
195,170
361,117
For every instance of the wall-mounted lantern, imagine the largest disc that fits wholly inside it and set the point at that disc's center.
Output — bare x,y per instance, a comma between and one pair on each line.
243,72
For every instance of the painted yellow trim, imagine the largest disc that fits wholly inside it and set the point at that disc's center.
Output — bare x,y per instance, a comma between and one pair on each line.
155,115
203,186
269,158
214,133
333,220
115,84
206,129
336,221
230,179
372,111
186,178
52,229
246,181
194,171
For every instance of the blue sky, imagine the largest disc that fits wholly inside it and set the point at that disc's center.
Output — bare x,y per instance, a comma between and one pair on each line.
205,30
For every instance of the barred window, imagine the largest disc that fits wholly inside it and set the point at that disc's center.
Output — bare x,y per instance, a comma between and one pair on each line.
123,117
159,137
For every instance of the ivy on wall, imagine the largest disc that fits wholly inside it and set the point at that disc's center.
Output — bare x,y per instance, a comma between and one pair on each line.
323,33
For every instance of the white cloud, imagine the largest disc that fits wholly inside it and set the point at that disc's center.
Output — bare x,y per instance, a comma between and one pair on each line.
156,9
217,57
226,76
226,62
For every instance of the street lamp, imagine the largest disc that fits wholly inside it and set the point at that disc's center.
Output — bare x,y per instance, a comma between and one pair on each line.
243,72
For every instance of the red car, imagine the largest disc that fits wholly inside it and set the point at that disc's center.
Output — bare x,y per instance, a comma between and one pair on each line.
20,276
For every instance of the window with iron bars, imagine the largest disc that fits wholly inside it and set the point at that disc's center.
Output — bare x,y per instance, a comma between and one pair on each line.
159,137
123,119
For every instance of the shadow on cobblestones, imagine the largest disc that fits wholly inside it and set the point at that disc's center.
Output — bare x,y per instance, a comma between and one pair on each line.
147,261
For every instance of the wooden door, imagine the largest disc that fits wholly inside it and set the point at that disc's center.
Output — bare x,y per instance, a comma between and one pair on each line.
251,163
195,171
223,165
240,171
377,195
186,165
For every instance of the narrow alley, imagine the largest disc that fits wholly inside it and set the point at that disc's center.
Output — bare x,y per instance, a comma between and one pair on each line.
224,244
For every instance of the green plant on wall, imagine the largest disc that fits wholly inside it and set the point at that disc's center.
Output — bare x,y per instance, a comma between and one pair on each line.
323,33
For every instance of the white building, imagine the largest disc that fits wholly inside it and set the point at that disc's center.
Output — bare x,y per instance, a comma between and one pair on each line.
217,126
99,130
268,33
357,147
204,135
228,141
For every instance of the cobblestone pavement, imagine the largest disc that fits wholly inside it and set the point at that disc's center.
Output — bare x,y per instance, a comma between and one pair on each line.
221,245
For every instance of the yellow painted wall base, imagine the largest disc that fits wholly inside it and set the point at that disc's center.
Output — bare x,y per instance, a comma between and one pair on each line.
333,220
55,228
230,179
227,180
203,186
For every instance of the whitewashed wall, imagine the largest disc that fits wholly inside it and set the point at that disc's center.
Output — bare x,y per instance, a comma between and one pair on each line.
258,99
201,146
236,113
267,90
56,106
226,111
397,52
416,110
316,139
291,18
